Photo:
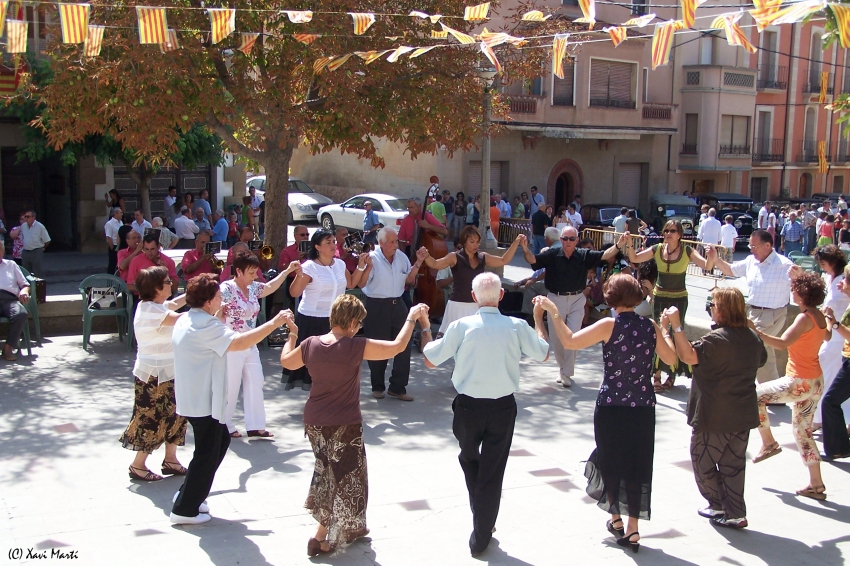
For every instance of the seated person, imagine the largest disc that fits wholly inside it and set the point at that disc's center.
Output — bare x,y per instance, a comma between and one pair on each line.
129,253
14,295
150,257
195,262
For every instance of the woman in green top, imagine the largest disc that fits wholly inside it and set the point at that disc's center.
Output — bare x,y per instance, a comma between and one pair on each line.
672,258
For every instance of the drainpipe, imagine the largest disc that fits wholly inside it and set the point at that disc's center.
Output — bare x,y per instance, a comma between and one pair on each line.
829,121
791,61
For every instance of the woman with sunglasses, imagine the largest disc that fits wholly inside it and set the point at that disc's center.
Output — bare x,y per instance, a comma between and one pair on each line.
672,258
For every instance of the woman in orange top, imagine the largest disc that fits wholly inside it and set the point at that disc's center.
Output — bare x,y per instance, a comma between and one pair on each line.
494,219
803,383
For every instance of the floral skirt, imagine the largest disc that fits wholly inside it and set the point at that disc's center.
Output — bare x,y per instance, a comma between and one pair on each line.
339,490
155,419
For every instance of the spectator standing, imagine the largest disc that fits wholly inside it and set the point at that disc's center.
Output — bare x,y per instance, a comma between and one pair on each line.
167,239
575,218
255,204
342,250
449,204
247,213
619,222
526,204
471,210
459,218
204,203
539,223
232,229
114,199
201,221
36,239
170,200
139,222
537,200
17,236
186,229
728,237
220,228
111,230
371,224
709,230
634,224
504,206
519,208
809,225
826,231
438,209
189,201
14,295
792,235
844,235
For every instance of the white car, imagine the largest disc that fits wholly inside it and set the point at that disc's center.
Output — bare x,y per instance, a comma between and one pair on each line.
304,203
390,210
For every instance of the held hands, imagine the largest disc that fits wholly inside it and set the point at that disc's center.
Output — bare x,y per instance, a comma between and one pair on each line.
288,319
795,271
522,240
422,254
711,253
420,312
545,304
673,316
279,319
294,266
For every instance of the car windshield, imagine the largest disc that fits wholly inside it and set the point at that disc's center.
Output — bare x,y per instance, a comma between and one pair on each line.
299,187
736,207
608,213
676,210
396,205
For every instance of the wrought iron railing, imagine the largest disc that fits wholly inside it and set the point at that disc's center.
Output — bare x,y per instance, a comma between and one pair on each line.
772,77
734,150
610,103
689,149
658,111
766,150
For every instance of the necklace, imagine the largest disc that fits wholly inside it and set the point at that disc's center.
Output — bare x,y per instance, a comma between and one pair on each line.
669,253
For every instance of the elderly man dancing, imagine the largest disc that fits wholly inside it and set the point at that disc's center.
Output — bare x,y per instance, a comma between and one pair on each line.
486,347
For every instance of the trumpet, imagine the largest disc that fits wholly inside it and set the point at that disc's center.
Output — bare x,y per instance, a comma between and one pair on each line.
218,263
267,252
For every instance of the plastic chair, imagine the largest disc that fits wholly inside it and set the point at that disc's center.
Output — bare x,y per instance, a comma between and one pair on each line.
32,306
26,342
795,254
808,263
122,311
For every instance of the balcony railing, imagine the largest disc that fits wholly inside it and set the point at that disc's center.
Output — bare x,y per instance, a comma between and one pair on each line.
658,111
689,149
609,103
843,153
812,85
768,150
771,77
736,150
524,104
808,151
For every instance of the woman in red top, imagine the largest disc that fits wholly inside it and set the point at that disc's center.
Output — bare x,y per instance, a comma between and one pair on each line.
332,419
803,384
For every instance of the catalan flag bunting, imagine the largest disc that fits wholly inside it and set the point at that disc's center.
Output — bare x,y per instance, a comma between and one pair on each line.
535,16
734,34
618,34
498,38
222,23
689,8
171,44
588,8
299,16
74,19
320,64
796,12
460,36
842,18
823,166
372,56
362,22
764,11
422,51
640,21
417,14
491,56
559,50
439,34
153,27
16,36
94,41
476,13
247,41
398,52
3,8
339,62
662,42
306,38
824,80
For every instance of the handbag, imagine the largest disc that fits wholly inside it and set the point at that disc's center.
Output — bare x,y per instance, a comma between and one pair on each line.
102,298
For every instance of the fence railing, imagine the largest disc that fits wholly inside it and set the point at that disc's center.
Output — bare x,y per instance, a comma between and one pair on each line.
510,228
772,77
768,150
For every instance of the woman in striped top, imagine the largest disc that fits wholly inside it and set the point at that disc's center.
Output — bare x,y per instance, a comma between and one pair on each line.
155,420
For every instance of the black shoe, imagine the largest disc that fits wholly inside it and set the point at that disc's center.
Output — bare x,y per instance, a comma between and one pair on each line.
618,532
627,541
476,548
826,458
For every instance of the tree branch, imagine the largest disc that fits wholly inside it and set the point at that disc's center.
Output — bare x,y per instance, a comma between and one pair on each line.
235,145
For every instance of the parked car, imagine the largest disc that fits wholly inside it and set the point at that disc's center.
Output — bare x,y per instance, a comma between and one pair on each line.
831,197
599,215
304,202
664,207
390,209
730,204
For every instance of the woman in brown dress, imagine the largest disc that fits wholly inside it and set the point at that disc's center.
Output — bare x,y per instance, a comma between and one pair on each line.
332,419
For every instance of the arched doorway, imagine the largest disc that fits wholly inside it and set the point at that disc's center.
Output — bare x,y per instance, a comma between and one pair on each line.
565,182
564,191
805,185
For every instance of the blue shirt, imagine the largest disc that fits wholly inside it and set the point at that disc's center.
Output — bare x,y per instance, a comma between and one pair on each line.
370,220
487,347
386,280
220,231
202,204
203,225
792,231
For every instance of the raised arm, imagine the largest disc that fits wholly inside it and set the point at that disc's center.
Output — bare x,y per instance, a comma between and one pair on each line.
449,260
275,283
526,253
247,339
421,255
290,356
625,245
718,262
497,261
384,349
701,262
297,286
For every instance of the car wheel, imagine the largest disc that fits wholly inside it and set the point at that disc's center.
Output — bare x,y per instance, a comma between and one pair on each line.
327,223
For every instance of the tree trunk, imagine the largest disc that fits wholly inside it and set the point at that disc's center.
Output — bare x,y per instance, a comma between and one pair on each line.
142,176
276,164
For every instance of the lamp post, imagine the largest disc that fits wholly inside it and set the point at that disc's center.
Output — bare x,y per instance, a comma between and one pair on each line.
487,75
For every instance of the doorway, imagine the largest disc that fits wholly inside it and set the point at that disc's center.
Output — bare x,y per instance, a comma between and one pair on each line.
564,191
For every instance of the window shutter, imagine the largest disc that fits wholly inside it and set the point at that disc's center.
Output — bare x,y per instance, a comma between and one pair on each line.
726,130
599,80
620,81
562,94
628,184
740,131
474,186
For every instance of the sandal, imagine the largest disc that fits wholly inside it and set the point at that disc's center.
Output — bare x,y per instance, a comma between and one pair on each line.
627,541
235,434
173,468
259,434
766,452
149,475
618,532
657,385
813,491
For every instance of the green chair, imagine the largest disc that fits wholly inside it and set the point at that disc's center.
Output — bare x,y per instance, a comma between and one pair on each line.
808,263
123,311
795,254
26,342
32,306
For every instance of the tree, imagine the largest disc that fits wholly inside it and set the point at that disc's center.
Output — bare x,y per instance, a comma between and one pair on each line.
265,103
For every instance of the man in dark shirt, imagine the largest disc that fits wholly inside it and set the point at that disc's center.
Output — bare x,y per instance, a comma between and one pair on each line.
539,222
565,279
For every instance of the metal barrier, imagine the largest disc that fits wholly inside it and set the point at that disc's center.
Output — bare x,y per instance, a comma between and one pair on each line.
602,237
510,228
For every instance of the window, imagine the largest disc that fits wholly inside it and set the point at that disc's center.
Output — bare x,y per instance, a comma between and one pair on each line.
562,89
638,7
758,189
691,134
612,84
838,184
569,2
734,135
706,49
536,86
645,85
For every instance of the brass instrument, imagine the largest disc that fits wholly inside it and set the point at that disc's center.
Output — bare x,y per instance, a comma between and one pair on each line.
218,263
356,244
267,252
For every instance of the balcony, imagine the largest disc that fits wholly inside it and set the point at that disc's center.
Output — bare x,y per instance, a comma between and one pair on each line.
563,100
524,104
657,111
769,150
812,85
734,151
689,149
843,153
611,103
808,152
771,77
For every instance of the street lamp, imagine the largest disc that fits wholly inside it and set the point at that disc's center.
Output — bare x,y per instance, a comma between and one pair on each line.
486,75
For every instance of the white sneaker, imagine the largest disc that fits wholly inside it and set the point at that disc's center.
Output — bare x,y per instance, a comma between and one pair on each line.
565,381
197,520
202,508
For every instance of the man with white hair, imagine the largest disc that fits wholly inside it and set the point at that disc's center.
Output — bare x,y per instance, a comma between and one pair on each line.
220,228
487,347
709,230
167,238
386,273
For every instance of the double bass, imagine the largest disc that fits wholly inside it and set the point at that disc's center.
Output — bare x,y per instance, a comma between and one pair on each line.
426,281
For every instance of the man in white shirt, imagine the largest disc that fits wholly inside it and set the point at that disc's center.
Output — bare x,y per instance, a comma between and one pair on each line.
36,240
139,224
728,237
575,217
620,222
768,291
842,204
186,229
111,230
171,198
709,230
704,213
536,200
503,206
764,216
14,294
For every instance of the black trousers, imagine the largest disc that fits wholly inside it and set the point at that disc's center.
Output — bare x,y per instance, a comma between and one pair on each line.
720,462
835,439
112,262
484,429
16,312
211,443
384,319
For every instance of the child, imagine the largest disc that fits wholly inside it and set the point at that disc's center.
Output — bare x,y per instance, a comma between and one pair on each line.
232,229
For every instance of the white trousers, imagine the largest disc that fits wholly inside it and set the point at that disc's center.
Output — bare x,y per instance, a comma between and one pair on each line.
571,309
769,321
245,367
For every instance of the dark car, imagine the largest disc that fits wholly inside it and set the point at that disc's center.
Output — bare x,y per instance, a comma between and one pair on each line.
664,207
600,215
734,205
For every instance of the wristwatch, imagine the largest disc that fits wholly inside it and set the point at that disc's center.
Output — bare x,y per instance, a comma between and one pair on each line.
678,329
835,326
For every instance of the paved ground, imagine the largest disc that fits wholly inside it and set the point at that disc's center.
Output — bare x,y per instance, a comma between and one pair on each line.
64,484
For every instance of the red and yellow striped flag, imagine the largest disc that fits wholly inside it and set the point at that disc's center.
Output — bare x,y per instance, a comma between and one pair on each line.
842,18
662,42
588,8
172,44
559,49
734,33
491,56
74,19
3,8
305,38
618,34
439,34
823,166
398,52
535,16
299,17
371,56
475,13
222,23
795,12
320,64
460,36
16,36
689,8
247,41
640,21
94,41
422,51
764,11
153,26
339,62
824,79
362,22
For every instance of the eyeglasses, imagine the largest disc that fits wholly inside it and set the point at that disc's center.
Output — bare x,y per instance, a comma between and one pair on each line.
669,231
569,239
168,281
752,247
27,215
304,235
